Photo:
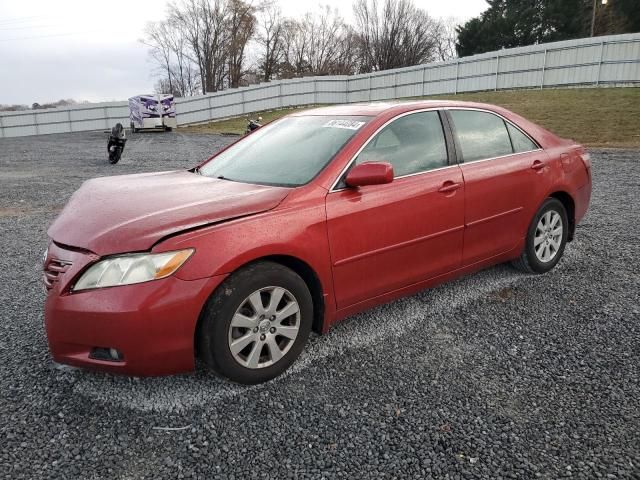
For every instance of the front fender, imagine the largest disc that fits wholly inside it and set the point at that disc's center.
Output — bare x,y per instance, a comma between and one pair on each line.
297,231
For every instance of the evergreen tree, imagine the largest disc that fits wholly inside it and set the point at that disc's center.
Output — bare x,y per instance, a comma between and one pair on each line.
514,23
626,14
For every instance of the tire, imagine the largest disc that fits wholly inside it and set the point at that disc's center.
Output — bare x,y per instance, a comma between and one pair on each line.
543,249
114,157
262,344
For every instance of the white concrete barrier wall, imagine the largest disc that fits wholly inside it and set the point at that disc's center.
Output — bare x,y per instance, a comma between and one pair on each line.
612,61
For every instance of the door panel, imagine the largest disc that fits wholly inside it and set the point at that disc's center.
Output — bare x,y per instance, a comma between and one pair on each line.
502,186
501,196
384,237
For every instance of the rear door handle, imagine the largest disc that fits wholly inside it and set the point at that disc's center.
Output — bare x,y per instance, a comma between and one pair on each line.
449,186
537,165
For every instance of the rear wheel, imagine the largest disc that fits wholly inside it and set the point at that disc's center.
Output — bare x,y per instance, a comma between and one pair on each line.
546,238
256,323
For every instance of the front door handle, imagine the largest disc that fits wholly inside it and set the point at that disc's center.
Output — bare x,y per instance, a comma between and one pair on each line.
449,186
537,165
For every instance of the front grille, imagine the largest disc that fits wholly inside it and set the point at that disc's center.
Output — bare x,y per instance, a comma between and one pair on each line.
53,269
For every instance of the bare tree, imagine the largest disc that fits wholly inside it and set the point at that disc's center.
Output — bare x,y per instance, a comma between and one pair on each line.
203,44
347,60
319,44
205,39
270,38
393,33
184,69
163,85
295,46
203,24
445,37
168,46
324,30
241,23
156,37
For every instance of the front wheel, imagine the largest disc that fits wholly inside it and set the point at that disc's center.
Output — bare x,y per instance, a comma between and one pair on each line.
546,238
114,155
256,323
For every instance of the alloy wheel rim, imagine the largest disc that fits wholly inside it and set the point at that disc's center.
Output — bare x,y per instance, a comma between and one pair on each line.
264,327
548,237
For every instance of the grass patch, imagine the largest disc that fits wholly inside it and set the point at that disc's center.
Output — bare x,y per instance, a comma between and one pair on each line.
596,117
238,125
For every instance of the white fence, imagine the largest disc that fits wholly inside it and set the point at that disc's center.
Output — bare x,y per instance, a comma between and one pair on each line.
612,60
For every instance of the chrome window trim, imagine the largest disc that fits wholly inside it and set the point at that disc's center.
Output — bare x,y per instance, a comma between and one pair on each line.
498,157
539,149
353,158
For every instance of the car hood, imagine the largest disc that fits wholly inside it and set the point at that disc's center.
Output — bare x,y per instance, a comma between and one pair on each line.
132,212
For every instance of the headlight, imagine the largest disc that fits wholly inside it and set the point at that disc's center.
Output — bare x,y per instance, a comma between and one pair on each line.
132,268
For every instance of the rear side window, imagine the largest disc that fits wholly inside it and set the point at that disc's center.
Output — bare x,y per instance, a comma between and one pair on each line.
412,144
481,135
521,143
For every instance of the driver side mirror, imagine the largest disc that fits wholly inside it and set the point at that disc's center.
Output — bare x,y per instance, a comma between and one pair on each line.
370,173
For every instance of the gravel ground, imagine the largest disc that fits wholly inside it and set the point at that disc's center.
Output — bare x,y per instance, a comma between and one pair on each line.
497,375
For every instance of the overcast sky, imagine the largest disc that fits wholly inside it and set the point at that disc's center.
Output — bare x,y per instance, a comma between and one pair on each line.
89,50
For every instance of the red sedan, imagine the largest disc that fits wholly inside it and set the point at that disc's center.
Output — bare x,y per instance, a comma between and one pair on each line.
307,220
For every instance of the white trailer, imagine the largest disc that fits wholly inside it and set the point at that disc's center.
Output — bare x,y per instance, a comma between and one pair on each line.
152,112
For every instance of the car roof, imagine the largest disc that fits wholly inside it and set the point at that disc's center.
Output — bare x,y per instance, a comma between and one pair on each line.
378,108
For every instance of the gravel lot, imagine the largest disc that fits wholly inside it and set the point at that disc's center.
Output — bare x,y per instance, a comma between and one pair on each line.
497,375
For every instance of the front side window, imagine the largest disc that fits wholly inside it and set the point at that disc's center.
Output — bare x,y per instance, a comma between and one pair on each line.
481,135
412,144
289,152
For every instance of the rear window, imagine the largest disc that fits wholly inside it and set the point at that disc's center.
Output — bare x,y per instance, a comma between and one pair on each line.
481,135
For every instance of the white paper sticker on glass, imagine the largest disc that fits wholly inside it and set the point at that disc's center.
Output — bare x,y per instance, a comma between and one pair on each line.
348,124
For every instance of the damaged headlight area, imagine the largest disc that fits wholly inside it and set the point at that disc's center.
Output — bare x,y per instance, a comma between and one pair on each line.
131,268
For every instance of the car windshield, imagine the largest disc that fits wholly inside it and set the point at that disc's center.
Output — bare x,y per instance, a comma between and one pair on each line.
289,152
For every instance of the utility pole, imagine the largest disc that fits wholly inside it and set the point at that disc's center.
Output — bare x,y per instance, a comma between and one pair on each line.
593,16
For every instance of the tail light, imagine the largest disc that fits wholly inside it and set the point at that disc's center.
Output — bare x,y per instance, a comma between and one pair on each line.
586,159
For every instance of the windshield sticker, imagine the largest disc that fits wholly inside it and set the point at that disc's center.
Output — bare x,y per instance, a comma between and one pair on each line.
348,124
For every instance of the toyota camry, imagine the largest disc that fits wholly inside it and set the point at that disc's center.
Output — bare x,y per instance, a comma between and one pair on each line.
305,221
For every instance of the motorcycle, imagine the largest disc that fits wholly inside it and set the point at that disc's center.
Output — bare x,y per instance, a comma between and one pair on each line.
253,124
117,140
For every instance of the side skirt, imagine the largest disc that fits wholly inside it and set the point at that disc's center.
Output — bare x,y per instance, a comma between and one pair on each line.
424,284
